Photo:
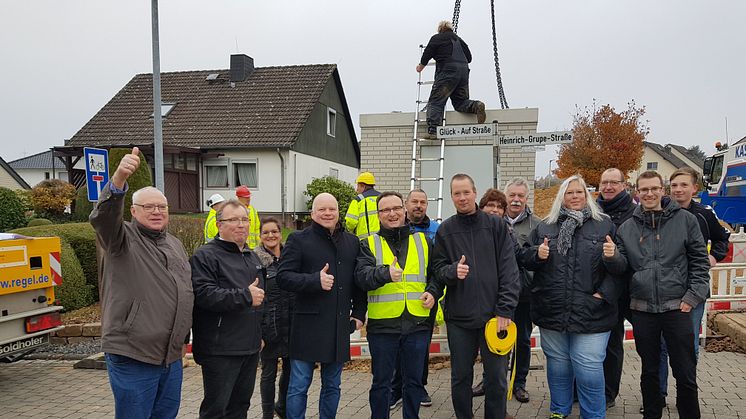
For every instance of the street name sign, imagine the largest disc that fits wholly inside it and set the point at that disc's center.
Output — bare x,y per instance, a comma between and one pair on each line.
466,131
536,139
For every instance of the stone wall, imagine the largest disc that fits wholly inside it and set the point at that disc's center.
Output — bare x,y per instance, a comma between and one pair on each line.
76,333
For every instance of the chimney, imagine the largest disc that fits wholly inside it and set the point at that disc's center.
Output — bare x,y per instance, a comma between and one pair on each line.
241,67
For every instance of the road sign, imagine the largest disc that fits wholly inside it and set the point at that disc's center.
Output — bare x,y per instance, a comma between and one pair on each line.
96,171
466,131
536,139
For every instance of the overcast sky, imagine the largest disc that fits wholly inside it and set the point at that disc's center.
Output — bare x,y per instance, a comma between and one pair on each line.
682,59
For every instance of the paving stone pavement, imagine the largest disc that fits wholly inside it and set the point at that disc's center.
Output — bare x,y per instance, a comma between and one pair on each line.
53,389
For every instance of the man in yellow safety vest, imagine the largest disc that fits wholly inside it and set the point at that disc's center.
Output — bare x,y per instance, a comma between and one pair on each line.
215,202
362,216
244,195
393,269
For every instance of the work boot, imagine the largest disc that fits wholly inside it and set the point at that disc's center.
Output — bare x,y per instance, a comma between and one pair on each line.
481,114
521,394
431,134
478,390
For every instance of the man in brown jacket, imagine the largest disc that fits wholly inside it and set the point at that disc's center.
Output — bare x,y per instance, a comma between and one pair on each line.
146,298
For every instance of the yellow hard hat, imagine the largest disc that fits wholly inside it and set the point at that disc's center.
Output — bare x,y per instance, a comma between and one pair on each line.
499,343
366,178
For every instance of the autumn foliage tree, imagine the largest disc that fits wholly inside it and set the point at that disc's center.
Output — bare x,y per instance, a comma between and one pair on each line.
603,138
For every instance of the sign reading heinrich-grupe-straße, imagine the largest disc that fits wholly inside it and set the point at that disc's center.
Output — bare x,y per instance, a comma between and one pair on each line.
536,139
466,131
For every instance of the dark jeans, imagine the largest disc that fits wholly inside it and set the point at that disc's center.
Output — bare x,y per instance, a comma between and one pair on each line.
615,356
396,381
451,81
523,343
464,344
697,313
228,383
386,349
141,390
267,386
676,328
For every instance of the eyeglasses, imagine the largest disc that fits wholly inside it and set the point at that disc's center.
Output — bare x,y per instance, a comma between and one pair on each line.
268,232
152,207
386,211
653,190
611,183
244,220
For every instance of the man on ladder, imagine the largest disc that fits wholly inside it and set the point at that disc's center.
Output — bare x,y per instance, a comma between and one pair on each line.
362,214
452,58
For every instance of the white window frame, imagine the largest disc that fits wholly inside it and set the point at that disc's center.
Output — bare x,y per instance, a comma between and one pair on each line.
334,172
331,126
651,164
232,178
220,163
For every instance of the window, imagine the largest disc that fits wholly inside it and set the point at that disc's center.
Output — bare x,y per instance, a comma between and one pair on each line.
244,174
331,122
334,173
216,176
46,175
166,109
717,169
652,165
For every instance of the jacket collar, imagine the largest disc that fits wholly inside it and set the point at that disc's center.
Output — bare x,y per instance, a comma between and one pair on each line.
152,234
230,246
424,224
319,229
396,235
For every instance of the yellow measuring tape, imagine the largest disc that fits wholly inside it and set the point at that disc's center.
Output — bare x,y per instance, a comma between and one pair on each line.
502,343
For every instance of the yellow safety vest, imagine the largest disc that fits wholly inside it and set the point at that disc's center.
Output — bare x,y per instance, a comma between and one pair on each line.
211,225
389,301
253,240
362,217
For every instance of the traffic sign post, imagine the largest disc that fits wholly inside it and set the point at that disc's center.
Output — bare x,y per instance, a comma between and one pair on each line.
96,171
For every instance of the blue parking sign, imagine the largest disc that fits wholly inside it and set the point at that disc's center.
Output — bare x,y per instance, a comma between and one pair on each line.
96,171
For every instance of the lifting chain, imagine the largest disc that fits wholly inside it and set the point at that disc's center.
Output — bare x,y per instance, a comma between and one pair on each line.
501,93
456,11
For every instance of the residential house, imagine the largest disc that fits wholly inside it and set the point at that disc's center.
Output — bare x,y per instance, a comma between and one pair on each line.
40,166
9,178
273,129
665,159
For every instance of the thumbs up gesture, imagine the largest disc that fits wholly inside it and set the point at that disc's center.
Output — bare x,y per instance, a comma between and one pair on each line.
428,301
257,294
327,280
395,271
462,269
127,166
544,250
609,247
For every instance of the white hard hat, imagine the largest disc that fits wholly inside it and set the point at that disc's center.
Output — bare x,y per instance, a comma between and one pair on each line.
214,199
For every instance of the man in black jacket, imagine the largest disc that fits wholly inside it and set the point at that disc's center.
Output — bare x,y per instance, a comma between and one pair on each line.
619,206
227,280
474,256
318,264
452,58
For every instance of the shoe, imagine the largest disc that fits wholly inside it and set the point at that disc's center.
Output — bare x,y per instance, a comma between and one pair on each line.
642,408
426,401
395,402
507,416
481,114
478,390
431,135
610,403
521,394
280,412
557,416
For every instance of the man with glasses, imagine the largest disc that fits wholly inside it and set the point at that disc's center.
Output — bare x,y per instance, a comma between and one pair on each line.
392,268
228,290
662,247
146,297
617,203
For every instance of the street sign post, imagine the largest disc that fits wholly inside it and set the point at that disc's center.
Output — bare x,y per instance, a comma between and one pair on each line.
96,171
536,139
466,131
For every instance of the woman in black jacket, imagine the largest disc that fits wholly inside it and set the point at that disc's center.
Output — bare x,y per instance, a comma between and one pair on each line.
275,323
573,298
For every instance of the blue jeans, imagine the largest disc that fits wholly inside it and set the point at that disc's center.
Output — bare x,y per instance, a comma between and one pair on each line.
578,357
384,348
144,390
301,374
697,313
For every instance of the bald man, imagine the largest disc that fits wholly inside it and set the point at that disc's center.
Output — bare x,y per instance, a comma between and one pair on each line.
146,297
318,264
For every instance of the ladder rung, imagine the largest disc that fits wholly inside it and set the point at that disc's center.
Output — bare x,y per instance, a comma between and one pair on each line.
428,179
430,159
421,102
422,83
434,199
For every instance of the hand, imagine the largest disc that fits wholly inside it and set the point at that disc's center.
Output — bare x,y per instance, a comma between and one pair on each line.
544,250
685,308
262,346
358,323
597,295
713,262
462,269
428,301
127,166
609,247
419,68
327,280
503,323
394,272
257,294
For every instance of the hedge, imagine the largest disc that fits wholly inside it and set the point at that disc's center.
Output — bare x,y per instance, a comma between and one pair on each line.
81,237
83,206
39,222
11,210
140,179
74,292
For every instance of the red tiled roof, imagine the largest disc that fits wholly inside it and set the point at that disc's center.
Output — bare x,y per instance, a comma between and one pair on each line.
268,109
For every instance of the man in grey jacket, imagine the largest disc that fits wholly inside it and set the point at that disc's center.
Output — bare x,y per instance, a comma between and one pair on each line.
146,298
662,247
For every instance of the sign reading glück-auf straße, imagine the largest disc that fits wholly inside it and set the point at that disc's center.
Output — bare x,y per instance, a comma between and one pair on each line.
536,139
466,131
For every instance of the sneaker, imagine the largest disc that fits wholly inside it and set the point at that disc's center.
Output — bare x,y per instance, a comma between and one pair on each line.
557,416
478,390
395,402
521,394
481,114
426,401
